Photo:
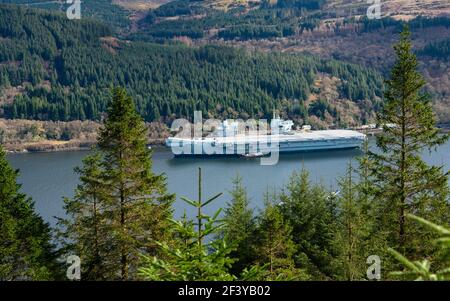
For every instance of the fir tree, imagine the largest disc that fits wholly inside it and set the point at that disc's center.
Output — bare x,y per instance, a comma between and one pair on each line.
86,232
191,258
239,227
373,238
122,202
404,182
275,248
26,250
310,210
353,227
139,203
424,269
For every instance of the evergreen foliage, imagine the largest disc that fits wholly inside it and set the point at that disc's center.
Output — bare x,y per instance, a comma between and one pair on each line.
239,228
67,68
26,250
354,225
125,204
403,181
191,258
87,231
275,247
311,212
421,269
440,49
102,10
120,219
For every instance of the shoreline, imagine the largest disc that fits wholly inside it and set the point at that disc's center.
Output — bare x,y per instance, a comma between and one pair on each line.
50,146
60,147
26,136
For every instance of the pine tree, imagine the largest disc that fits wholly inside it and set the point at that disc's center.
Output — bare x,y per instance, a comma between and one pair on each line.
26,250
139,203
193,257
353,227
86,232
310,210
405,183
424,269
373,240
239,227
122,202
275,248
365,183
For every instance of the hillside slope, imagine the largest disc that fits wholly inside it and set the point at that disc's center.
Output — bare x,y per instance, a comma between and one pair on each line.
140,4
330,29
52,68
399,9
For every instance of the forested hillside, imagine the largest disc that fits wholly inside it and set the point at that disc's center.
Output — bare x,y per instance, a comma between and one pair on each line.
335,93
258,20
265,20
329,29
103,10
439,49
52,68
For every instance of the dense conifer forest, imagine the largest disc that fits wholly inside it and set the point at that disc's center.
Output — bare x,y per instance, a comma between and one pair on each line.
269,20
103,10
66,69
440,50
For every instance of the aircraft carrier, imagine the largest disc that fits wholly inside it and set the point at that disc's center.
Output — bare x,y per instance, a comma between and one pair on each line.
226,141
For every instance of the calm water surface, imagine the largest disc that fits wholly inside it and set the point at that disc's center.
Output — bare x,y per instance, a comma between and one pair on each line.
48,177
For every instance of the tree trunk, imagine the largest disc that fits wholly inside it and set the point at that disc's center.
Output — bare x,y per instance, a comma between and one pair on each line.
123,259
402,177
